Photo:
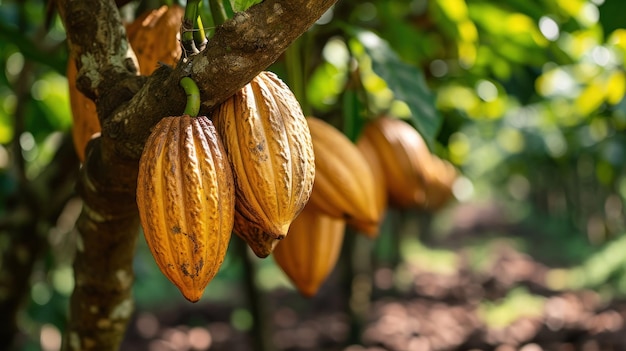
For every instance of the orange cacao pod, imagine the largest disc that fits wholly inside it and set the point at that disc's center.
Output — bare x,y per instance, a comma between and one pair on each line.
309,253
186,201
269,148
344,184
84,115
442,175
368,150
403,155
154,37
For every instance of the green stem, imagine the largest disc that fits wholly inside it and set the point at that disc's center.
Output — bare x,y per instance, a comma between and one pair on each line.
189,20
218,12
193,96
199,36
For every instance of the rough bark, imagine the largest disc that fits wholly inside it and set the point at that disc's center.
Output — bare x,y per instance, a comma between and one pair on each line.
101,304
128,107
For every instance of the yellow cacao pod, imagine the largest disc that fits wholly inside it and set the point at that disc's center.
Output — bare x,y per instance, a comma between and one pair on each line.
310,252
269,148
442,176
186,201
344,184
154,37
368,150
403,155
261,243
84,115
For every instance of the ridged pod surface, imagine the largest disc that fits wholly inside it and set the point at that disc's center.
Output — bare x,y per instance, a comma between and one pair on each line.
269,147
186,201
311,250
153,37
261,243
344,184
403,155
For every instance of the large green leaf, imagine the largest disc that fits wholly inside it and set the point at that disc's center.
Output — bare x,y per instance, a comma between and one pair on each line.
407,83
242,5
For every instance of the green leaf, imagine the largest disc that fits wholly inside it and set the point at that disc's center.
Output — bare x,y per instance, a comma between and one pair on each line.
407,83
242,5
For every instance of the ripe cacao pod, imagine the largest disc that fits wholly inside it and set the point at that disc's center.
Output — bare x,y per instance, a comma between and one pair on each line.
309,253
269,148
186,201
403,155
368,150
84,115
442,175
344,184
154,37
261,243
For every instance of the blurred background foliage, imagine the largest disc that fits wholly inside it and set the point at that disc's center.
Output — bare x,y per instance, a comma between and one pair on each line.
525,98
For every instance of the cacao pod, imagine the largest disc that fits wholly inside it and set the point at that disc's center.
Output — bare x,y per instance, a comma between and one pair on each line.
344,184
261,243
154,37
84,115
269,148
442,175
368,150
311,250
186,201
403,155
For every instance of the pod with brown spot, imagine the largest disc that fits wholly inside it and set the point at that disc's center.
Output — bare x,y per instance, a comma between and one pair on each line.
269,148
185,196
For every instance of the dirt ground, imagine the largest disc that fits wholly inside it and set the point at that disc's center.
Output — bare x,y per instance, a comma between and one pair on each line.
434,312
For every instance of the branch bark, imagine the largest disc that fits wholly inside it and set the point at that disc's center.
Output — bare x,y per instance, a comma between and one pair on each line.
128,107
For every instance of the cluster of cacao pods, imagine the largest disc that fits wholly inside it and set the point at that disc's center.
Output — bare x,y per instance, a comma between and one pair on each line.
253,172
390,165
153,39
344,193
285,184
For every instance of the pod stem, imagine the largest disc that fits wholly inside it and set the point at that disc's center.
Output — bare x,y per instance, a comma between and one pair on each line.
193,96
199,36
189,20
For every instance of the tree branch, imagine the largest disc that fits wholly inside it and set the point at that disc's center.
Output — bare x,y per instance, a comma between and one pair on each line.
239,50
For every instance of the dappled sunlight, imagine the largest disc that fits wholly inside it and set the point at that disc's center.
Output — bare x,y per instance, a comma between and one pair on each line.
50,338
